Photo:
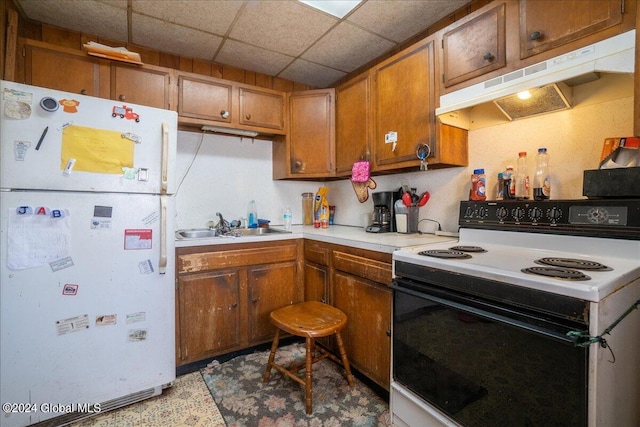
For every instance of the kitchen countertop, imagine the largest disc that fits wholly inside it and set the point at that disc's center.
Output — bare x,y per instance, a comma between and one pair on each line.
337,234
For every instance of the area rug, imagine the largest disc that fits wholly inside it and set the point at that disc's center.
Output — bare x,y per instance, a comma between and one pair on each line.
245,401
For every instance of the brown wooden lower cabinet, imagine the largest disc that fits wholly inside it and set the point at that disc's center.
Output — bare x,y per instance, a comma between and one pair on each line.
366,337
355,281
224,294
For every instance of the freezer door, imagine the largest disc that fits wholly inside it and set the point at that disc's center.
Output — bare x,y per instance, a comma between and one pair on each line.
96,324
53,140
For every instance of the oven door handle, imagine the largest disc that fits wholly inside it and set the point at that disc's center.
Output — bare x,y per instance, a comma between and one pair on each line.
486,314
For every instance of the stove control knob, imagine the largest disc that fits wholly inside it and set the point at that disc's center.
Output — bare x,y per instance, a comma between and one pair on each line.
535,214
502,213
554,214
468,213
518,213
482,212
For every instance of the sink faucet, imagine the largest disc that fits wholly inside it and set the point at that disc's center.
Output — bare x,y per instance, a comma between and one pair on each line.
223,225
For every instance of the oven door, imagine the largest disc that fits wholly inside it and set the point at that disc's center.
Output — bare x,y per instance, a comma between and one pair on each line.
486,364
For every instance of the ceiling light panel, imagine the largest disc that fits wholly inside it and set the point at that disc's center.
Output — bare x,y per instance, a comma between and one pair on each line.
337,8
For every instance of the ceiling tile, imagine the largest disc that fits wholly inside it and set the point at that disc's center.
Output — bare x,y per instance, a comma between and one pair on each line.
77,14
249,57
173,38
403,19
347,47
284,26
311,74
212,16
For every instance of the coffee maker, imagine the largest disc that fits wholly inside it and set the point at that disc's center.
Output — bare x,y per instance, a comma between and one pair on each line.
383,215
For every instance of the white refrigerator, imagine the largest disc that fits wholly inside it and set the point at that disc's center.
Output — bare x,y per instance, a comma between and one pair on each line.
86,254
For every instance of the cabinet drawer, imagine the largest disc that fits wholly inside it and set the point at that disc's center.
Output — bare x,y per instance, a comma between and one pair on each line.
191,263
366,268
317,253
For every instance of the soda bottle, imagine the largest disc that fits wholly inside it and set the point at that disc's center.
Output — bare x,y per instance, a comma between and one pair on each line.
541,180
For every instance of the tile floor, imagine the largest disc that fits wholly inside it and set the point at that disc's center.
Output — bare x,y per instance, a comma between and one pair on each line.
187,404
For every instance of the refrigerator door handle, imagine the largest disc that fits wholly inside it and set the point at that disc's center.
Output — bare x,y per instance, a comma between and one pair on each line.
165,158
162,263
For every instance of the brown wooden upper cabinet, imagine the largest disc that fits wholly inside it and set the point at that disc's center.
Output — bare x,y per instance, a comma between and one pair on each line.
261,108
546,24
354,124
64,69
207,100
145,85
476,47
404,93
308,151
204,98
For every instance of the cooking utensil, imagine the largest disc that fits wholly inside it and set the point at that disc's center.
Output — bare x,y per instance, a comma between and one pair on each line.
406,199
424,199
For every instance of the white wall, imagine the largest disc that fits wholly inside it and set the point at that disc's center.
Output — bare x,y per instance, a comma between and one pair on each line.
230,171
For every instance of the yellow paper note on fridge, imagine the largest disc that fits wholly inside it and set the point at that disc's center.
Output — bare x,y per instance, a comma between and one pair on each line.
95,150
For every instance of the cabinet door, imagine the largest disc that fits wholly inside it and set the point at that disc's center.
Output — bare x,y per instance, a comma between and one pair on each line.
269,287
316,282
405,105
204,99
209,314
311,136
353,123
367,334
261,108
545,24
475,47
64,71
138,85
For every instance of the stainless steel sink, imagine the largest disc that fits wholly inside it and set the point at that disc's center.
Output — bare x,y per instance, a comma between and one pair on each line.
203,233
256,231
196,233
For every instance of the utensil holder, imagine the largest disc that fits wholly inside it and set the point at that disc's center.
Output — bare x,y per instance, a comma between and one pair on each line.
408,223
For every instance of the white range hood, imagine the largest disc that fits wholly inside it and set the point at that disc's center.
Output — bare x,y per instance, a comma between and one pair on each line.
613,55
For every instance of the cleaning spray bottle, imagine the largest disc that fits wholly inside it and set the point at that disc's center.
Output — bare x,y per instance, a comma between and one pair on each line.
321,209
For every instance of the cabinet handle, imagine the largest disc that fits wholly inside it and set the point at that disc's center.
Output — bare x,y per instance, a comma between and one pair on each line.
297,165
83,92
388,333
487,56
122,97
233,306
536,35
248,116
224,114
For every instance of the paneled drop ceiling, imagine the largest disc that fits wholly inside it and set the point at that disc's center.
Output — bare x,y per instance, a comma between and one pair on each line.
283,38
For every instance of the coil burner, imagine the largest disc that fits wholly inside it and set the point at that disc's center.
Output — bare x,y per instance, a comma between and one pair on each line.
463,248
579,264
445,253
557,273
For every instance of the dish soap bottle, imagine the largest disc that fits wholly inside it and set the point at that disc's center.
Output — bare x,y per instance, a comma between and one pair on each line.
287,218
252,215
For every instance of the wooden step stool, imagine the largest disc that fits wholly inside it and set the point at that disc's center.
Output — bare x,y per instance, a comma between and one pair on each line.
311,320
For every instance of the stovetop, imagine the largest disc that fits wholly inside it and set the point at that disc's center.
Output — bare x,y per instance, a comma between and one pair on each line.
507,253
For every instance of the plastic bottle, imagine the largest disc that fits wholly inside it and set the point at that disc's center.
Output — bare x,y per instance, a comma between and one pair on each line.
287,218
509,184
500,187
541,180
252,215
522,177
478,185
